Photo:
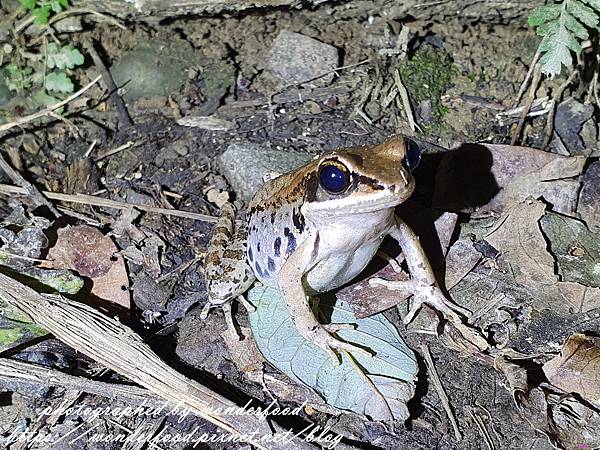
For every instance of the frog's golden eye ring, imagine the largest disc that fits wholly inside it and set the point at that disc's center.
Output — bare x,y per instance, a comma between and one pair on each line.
412,156
334,177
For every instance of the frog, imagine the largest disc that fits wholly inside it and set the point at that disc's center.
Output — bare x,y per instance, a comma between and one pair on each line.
315,229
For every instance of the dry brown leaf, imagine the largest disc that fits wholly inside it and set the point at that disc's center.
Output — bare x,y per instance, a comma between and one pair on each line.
518,236
92,255
567,422
577,368
476,177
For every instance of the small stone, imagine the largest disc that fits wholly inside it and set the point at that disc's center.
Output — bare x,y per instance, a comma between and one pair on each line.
295,58
589,197
245,164
568,122
153,68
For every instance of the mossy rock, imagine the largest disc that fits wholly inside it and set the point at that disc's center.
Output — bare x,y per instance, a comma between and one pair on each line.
426,76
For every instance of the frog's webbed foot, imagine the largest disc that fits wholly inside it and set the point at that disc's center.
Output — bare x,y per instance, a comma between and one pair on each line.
321,337
424,294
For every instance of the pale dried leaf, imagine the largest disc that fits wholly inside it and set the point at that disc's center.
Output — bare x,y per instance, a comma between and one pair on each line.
577,368
92,255
517,234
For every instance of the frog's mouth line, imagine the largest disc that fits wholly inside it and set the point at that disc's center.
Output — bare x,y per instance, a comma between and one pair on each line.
355,205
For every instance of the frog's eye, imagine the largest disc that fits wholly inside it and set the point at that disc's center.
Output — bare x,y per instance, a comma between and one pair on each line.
412,156
334,177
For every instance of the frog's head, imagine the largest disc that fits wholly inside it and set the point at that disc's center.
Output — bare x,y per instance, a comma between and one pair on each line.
363,179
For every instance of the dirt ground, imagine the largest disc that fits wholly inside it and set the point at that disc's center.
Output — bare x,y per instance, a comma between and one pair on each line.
462,76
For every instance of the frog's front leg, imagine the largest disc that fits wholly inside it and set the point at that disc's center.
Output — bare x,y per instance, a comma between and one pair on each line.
291,284
228,275
423,284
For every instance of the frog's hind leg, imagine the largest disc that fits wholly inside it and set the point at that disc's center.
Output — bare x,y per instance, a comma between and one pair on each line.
228,275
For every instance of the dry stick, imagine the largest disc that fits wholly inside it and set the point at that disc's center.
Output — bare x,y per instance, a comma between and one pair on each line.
523,87
537,76
549,129
44,112
114,96
119,348
437,384
107,203
405,100
28,188
15,373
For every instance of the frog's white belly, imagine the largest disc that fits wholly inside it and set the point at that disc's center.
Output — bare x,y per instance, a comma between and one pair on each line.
339,268
345,249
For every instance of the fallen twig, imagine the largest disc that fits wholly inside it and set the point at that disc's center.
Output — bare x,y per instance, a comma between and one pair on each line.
114,96
549,129
117,347
107,203
46,111
537,76
29,189
437,384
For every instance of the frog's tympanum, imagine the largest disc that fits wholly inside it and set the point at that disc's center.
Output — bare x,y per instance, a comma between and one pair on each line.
316,228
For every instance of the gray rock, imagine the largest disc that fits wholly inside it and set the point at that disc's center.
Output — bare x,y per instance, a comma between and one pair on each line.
295,58
154,68
589,197
245,164
568,122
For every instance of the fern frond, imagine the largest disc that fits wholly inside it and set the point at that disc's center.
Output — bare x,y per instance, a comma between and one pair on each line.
563,25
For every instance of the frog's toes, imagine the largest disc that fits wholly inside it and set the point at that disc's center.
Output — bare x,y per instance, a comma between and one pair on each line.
246,304
328,343
432,296
335,327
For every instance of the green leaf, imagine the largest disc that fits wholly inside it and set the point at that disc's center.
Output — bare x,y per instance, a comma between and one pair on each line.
575,26
41,15
593,3
586,15
377,387
63,57
543,14
28,4
42,98
548,28
556,54
59,82
56,5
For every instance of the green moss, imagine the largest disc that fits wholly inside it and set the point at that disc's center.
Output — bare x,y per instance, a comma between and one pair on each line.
427,76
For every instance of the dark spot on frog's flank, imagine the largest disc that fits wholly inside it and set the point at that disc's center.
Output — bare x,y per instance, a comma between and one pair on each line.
286,231
277,246
298,219
271,264
315,250
250,255
272,218
259,271
291,244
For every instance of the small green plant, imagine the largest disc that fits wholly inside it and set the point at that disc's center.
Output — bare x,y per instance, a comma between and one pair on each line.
41,71
42,9
563,25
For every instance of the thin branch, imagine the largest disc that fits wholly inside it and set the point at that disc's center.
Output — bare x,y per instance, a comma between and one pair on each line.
46,111
437,384
537,76
29,189
119,348
107,203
